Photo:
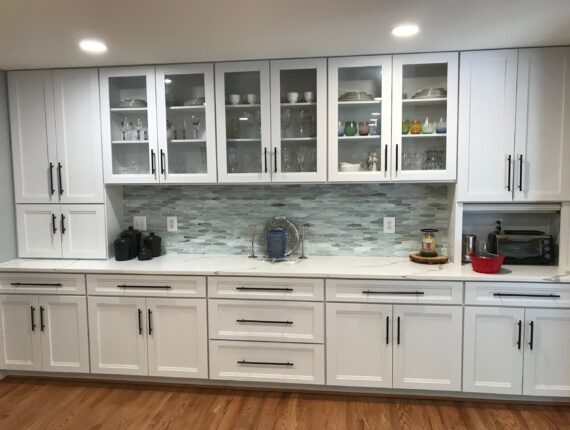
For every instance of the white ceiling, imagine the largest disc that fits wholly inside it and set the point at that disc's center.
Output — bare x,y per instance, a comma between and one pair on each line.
45,33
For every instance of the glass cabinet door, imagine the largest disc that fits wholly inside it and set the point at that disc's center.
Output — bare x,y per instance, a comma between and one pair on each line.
298,120
187,133
128,118
359,118
242,118
424,131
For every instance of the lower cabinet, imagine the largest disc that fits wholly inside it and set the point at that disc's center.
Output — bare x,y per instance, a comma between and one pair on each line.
148,336
46,333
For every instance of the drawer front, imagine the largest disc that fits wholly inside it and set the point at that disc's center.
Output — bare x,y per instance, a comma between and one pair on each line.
42,283
267,362
266,288
410,292
276,321
146,285
517,294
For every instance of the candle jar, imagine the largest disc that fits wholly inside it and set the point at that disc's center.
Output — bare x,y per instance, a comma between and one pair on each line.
415,127
428,243
363,128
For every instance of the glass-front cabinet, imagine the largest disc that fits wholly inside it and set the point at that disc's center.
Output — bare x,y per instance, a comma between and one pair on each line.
186,125
298,120
424,128
128,119
360,118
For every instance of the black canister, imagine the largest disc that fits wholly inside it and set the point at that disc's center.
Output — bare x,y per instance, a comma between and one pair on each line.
145,254
134,237
122,248
153,242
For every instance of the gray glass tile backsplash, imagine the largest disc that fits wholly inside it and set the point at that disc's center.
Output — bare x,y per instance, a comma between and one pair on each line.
343,219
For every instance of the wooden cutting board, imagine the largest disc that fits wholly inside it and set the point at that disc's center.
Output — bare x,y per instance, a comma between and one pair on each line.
417,258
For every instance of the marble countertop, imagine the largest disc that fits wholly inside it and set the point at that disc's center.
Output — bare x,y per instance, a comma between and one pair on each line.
315,267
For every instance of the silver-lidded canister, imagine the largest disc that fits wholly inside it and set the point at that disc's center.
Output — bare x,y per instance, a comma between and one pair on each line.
467,247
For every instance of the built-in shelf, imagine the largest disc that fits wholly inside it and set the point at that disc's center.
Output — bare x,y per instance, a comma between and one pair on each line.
300,105
192,107
425,102
187,141
423,136
360,102
242,106
129,110
298,139
367,137
243,140
123,142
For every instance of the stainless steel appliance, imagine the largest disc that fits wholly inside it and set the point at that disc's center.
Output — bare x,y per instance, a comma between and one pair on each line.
467,247
523,246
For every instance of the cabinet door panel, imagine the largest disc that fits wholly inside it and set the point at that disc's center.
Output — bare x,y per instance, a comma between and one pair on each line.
359,345
487,106
33,136
20,347
83,232
543,125
177,337
427,351
492,358
63,324
78,127
117,335
39,234
546,364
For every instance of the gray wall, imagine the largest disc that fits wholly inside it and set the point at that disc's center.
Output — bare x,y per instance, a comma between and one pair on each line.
7,218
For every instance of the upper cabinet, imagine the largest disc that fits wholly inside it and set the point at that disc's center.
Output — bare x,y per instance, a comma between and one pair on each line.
424,117
359,118
56,136
514,125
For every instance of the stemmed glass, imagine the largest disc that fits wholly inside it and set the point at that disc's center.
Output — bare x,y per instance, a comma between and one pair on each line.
301,152
303,235
251,229
286,118
125,127
196,125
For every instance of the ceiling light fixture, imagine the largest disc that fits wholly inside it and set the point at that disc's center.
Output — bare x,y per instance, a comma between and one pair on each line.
93,46
167,81
405,30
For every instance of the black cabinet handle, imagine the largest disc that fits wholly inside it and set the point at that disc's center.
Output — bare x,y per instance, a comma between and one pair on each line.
552,296
531,343
32,311
509,162
398,331
397,147
42,325
387,330
152,162
264,322
162,162
59,178
275,159
265,159
51,187
412,293
520,172
520,334
386,158
63,230
266,363
140,322
53,227
150,287
31,284
263,289
149,322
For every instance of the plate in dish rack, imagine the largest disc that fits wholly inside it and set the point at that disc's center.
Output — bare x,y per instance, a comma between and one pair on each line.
291,233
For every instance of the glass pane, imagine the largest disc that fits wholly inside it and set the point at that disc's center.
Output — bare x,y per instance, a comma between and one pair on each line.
243,122
298,120
359,118
129,125
186,123
424,113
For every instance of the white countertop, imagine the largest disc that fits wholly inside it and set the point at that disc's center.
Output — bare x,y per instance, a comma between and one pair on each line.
315,267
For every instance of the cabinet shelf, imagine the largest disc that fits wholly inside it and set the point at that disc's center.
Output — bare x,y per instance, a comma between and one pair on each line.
425,102
298,139
368,137
299,105
243,106
243,140
187,141
121,142
129,110
183,108
423,136
360,102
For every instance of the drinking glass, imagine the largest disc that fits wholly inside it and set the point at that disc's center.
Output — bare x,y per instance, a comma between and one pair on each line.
286,118
196,126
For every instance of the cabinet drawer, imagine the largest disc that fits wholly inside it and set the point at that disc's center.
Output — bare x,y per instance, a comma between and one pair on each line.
266,320
266,288
146,285
424,292
517,294
42,283
267,362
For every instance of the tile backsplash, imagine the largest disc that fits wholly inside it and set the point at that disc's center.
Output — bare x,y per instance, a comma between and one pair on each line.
342,219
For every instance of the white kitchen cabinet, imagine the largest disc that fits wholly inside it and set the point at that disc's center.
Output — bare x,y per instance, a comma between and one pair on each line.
38,231
359,345
177,337
427,347
128,124
487,100
547,352
493,350
429,155
186,123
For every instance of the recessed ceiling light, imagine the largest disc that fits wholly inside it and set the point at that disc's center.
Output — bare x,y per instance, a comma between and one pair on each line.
405,30
93,46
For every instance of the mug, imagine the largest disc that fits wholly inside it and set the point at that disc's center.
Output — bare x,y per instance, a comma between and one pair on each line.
309,96
234,99
292,97
252,99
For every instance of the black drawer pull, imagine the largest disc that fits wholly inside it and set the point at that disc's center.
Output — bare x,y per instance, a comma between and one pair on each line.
32,311
150,287
140,322
264,321
149,322
520,334
412,293
53,227
265,363
398,335
531,343
63,229
42,325
387,330
51,188
263,289
30,284
59,178
554,296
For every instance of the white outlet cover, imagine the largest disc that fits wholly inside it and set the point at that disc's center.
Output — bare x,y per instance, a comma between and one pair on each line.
171,223
389,224
139,223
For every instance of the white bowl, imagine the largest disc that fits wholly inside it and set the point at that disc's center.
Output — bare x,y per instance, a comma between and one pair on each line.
350,167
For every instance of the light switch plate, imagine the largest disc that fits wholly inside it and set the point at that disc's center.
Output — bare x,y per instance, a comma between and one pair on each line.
389,224
171,223
139,223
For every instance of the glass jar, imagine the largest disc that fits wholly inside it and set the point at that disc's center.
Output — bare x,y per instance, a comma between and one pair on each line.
405,126
428,243
350,128
363,128
415,127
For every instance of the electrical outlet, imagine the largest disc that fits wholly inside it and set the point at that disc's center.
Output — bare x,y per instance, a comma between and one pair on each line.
171,223
389,224
139,223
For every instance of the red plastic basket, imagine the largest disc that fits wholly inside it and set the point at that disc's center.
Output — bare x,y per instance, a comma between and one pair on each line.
487,264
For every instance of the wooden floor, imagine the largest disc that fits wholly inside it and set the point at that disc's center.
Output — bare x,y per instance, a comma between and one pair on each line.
49,404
